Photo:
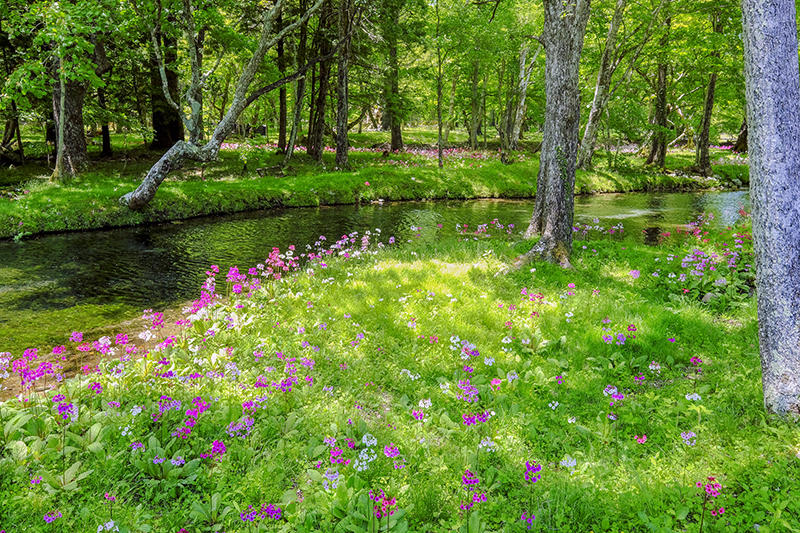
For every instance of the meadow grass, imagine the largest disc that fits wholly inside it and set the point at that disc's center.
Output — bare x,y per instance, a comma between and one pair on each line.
387,377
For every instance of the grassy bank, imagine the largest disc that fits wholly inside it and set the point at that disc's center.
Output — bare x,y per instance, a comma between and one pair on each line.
417,376
247,177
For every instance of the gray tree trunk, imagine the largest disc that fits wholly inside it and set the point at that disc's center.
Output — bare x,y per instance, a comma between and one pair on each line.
525,71
182,151
72,151
564,29
772,80
601,88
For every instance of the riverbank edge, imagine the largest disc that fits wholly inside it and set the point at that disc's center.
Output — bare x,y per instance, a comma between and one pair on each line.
370,192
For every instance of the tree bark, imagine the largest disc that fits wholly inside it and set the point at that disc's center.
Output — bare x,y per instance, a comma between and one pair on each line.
475,107
601,88
167,122
772,80
342,92
740,146
702,159
72,144
316,128
439,152
658,150
522,95
392,113
450,111
282,108
300,90
106,134
564,29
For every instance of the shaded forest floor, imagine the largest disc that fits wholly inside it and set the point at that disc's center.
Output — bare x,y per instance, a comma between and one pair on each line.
249,176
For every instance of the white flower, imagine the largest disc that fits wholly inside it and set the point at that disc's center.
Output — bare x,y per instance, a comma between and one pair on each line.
569,462
553,405
426,403
488,361
693,397
146,335
135,410
445,387
571,420
369,440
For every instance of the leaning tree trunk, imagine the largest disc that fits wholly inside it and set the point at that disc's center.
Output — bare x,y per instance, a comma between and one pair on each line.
182,151
564,29
342,92
702,158
601,89
773,90
73,149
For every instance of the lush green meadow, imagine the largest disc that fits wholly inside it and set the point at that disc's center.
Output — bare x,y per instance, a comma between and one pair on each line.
248,176
420,382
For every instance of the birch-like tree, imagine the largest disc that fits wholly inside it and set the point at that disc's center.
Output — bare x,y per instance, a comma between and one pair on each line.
772,80
191,105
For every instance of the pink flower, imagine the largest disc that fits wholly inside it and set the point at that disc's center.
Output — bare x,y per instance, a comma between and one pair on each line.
640,440
366,183
496,384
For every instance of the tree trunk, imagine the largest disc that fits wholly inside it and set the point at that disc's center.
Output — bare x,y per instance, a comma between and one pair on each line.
450,111
741,141
72,145
316,129
702,159
167,123
475,108
773,90
601,88
393,103
658,151
282,110
522,95
101,98
439,143
342,93
564,29
300,90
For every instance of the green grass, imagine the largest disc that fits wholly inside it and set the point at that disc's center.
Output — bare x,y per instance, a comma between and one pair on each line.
378,327
31,205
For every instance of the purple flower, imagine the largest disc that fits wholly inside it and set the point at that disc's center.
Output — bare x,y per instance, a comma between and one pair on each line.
391,451
531,472
52,516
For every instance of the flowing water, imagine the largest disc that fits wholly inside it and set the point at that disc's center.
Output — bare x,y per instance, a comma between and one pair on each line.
58,283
